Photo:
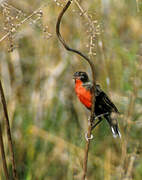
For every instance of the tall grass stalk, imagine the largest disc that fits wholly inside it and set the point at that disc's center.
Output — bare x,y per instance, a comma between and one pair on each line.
8,132
3,155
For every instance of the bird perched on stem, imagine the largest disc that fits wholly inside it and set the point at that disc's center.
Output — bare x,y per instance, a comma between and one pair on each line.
103,105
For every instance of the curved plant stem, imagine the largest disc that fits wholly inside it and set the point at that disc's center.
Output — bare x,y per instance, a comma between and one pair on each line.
3,155
8,132
93,88
86,153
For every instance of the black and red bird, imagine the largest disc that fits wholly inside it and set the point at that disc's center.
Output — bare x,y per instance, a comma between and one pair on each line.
103,105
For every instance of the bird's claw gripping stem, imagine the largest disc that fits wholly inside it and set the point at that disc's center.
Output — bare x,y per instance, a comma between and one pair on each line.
88,138
91,119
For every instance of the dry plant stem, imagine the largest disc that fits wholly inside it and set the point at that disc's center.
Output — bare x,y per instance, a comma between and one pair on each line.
93,88
83,12
86,152
8,132
3,155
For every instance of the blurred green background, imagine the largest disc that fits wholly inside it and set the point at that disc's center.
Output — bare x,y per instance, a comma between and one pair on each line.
48,123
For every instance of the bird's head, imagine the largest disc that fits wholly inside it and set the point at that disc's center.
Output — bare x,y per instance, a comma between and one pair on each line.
81,76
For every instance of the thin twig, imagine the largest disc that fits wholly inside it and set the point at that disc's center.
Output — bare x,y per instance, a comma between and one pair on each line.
131,164
3,155
21,23
93,88
8,132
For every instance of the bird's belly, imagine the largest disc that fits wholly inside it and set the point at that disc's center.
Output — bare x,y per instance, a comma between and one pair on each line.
85,101
85,97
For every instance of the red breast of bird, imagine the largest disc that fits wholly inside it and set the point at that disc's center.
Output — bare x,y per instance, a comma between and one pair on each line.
83,94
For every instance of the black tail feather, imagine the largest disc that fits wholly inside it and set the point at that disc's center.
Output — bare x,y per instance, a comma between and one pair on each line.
114,126
115,131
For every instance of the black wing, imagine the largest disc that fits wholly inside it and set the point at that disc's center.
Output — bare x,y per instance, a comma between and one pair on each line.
108,102
103,103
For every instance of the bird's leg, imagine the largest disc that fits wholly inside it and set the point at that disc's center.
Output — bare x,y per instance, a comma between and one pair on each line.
100,119
93,126
96,117
90,119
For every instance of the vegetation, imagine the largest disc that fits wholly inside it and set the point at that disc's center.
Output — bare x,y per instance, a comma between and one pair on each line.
47,121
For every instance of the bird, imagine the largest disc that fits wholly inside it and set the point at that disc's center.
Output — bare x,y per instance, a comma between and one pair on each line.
104,107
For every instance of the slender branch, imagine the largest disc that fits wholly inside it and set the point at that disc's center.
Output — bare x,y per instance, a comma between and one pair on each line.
3,155
93,88
21,23
8,131
66,46
86,153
